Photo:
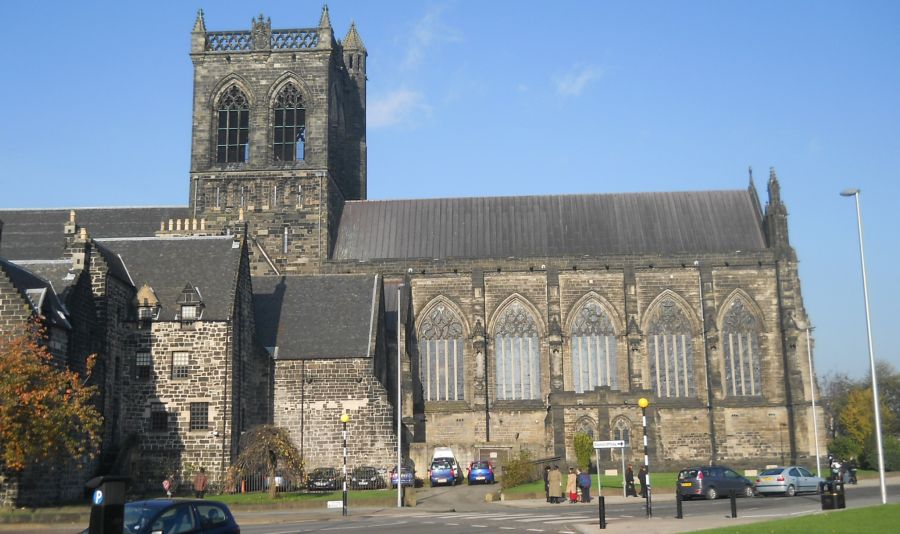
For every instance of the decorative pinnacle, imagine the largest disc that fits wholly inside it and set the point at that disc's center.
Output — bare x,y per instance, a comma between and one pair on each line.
772,176
325,21
200,24
353,40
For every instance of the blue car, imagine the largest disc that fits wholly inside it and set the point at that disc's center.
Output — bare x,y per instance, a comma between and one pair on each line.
442,473
407,476
481,472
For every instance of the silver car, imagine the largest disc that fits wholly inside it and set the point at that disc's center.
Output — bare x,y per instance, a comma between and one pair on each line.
787,481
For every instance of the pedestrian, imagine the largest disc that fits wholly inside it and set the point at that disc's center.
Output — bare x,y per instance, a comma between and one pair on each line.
584,481
547,482
555,482
169,485
571,488
200,483
629,482
642,478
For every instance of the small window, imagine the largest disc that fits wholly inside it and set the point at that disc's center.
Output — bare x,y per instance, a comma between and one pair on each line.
142,365
159,418
145,313
199,416
189,313
180,364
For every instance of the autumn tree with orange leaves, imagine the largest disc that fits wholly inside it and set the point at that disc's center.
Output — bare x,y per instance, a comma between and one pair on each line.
46,413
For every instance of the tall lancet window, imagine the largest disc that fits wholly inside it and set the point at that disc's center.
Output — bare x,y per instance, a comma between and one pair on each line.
233,134
740,348
593,349
441,355
669,347
289,125
517,351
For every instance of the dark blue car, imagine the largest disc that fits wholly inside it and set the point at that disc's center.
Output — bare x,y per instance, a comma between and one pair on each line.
442,473
178,515
407,476
481,472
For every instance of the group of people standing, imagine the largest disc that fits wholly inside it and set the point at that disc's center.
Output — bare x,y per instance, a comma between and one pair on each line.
576,480
629,482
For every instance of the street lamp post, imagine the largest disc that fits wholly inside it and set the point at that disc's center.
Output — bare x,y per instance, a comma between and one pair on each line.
862,258
812,392
399,411
643,403
344,419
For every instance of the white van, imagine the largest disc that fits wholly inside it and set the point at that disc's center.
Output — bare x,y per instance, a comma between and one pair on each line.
446,453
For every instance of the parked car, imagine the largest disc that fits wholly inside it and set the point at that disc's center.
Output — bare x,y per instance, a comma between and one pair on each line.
445,454
442,472
712,482
366,477
787,481
407,475
480,472
178,515
324,479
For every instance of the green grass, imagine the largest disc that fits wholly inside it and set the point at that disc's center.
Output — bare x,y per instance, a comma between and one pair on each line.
660,482
882,518
261,498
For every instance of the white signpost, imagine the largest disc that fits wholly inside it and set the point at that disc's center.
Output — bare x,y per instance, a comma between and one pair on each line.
613,444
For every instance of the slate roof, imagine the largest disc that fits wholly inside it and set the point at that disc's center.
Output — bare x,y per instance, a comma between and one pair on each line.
39,292
315,316
59,273
37,234
551,226
167,264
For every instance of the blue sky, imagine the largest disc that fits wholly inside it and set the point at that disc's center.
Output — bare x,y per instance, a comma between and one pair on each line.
473,98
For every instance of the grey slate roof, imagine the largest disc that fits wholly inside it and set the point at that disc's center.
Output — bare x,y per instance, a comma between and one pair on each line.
315,316
538,226
59,273
37,234
39,292
167,264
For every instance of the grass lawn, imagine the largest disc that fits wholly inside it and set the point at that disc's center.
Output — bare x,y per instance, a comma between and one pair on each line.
660,483
260,498
869,519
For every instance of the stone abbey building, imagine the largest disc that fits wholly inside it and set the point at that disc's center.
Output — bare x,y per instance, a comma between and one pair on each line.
281,294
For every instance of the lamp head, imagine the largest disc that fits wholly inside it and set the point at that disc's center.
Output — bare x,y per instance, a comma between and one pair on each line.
345,418
643,402
850,192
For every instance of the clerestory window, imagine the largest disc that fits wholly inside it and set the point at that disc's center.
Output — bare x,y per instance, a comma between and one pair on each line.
289,142
233,135
740,348
517,355
593,349
441,355
670,351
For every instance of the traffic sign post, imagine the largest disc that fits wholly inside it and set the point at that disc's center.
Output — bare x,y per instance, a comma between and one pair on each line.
611,444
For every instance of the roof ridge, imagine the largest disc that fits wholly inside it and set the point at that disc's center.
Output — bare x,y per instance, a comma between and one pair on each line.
93,208
564,195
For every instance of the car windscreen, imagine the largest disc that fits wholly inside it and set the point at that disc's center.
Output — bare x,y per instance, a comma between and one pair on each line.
480,465
137,515
772,472
687,473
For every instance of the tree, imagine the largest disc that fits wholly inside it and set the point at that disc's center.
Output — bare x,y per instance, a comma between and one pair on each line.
584,446
834,390
266,448
47,413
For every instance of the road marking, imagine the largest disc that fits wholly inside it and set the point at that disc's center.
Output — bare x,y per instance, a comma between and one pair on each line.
535,530
453,524
507,528
480,526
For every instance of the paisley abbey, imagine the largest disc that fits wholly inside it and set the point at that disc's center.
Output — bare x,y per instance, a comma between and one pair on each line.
280,294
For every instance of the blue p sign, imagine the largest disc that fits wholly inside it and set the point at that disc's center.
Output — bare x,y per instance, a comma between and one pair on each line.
98,497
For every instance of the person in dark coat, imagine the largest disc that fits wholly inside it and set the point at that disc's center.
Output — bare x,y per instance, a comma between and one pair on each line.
547,482
642,478
629,482
584,482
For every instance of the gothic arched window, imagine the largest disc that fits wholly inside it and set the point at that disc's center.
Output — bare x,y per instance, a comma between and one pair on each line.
517,351
289,142
593,349
740,348
621,430
585,426
441,355
233,135
669,351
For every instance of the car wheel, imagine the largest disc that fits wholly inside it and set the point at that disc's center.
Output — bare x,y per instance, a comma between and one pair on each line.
712,494
748,491
790,491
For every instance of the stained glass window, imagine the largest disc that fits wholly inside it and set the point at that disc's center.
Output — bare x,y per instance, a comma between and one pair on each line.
740,348
517,355
289,124
593,349
233,134
670,351
441,355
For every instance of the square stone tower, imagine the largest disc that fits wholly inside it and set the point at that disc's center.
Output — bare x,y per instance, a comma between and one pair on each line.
279,137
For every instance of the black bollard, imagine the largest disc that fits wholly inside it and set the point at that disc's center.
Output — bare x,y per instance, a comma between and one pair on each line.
733,496
602,505
678,511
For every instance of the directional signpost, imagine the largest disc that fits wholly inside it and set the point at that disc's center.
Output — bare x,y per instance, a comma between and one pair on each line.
613,444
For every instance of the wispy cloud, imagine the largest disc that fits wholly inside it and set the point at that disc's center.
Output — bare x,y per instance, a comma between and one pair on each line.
401,107
428,31
573,82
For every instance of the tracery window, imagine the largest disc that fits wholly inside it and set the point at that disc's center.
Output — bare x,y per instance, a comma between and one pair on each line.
233,139
517,352
586,426
670,351
441,355
289,125
593,349
740,347
622,430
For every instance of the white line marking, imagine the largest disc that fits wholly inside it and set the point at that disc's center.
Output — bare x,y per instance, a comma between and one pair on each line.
534,530
480,526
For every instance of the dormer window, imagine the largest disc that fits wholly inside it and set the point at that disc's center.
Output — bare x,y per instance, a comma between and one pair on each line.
191,303
147,304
